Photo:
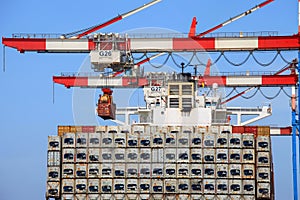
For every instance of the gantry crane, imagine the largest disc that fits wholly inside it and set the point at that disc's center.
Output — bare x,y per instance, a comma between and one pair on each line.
115,51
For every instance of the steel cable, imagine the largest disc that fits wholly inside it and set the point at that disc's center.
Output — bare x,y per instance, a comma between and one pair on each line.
270,98
237,64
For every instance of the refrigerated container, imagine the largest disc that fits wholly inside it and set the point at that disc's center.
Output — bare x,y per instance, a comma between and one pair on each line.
119,170
235,171
214,129
133,136
68,155
107,155
157,170
183,170
235,156
80,196
53,189
107,139
235,140
82,140
183,186
120,138
53,173
107,196
145,155
93,186
132,170
209,186
196,170
170,186
68,170
209,170
196,155
183,140
68,197
68,140
94,155
222,186
170,170
184,197
54,143
145,136
222,171
119,186
106,186
80,185
119,155
169,196
81,156
197,137
209,156
94,140
222,140
157,196
93,197
248,156
171,136
157,139
209,140
183,155
248,171
263,174
133,197
263,159
94,170
81,170
145,170
132,155
157,186
107,170
249,187
53,158
263,143
235,186
221,155
100,129
222,197
144,186
170,155
196,197
263,190
68,186
157,155
248,140
119,196
249,197
132,185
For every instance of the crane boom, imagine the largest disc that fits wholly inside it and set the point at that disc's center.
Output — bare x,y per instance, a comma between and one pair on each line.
118,18
235,18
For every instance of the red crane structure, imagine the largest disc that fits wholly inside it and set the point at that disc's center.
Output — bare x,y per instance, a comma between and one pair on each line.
115,51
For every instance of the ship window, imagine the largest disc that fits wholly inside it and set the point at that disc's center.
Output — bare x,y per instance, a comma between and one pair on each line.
174,103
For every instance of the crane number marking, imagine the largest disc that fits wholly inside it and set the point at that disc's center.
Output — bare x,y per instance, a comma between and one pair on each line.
155,89
105,53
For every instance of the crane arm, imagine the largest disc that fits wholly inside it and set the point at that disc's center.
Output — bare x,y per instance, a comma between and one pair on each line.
113,20
235,18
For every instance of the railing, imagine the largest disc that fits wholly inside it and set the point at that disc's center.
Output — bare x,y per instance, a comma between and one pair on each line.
155,35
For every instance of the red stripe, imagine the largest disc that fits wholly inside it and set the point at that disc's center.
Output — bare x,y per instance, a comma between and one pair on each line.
286,131
25,44
71,81
91,44
265,3
126,81
278,42
279,80
190,44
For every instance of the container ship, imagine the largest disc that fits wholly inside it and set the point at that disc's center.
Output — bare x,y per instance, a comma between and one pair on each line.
181,147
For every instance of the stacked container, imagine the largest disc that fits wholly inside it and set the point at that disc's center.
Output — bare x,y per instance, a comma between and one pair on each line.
53,167
156,162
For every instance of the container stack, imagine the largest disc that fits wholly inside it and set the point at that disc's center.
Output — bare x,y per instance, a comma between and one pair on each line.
160,162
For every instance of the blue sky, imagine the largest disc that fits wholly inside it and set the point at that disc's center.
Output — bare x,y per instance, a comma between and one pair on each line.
28,114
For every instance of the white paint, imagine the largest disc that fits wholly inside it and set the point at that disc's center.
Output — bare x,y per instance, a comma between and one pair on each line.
67,44
151,44
109,82
236,43
243,80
